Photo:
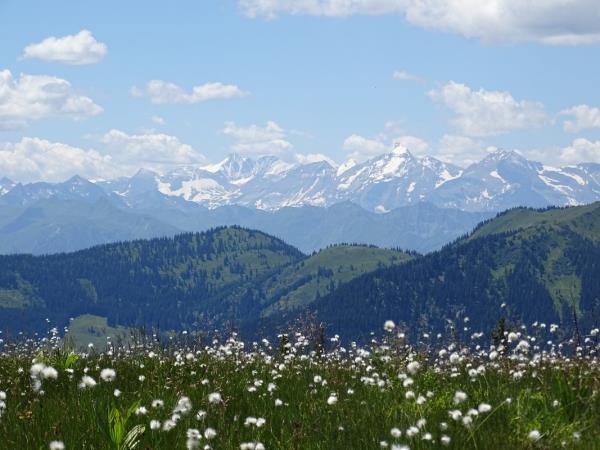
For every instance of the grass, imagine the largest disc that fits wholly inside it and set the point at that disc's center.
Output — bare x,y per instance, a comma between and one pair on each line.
314,275
347,397
90,329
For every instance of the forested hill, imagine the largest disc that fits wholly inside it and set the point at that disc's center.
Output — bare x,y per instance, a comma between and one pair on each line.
157,281
202,280
525,265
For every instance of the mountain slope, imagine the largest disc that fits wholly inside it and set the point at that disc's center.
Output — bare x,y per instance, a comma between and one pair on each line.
300,284
542,270
159,281
204,280
55,224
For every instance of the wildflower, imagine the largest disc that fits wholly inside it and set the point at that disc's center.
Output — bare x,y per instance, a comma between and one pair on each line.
389,326
2,395
154,424
214,397
200,415
484,407
49,373
184,405
210,433
445,440
108,375
157,403
56,445
396,433
87,382
412,431
193,439
168,425
512,336
534,435
454,358
117,393
459,397
142,378
141,411
332,400
413,367
278,402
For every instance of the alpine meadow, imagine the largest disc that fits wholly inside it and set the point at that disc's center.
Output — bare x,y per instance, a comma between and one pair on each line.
300,225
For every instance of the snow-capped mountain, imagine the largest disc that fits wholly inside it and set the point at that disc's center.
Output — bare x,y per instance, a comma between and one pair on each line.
6,185
393,179
501,180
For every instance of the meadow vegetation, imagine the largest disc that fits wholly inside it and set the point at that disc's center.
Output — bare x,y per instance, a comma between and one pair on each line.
530,388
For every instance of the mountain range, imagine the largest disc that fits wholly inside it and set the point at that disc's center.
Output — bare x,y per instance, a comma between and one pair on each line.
525,265
392,200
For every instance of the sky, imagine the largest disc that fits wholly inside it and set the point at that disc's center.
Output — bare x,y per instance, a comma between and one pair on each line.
101,89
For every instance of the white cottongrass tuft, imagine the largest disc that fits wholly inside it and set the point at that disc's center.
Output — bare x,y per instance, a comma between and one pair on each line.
534,435
459,397
56,445
210,433
87,382
214,397
108,375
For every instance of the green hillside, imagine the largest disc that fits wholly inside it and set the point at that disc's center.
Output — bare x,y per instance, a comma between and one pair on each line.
302,283
520,218
523,266
203,280
159,281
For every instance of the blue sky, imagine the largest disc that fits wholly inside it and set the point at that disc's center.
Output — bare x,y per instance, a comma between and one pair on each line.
303,79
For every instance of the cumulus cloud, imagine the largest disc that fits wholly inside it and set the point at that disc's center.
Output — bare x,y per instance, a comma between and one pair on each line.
460,150
554,22
150,150
581,150
313,158
485,113
416,145
80,48
33,159
403,75
158,120
33,97
361,148
269,139
582,117
162,92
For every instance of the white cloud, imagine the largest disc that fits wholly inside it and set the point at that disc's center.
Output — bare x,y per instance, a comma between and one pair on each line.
80,48
583,117
33,97
313,158
361,148
581,150
414,144
269,139
554,22
149,150
484,113
161,92
158,120
460,150
403,75
33,159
